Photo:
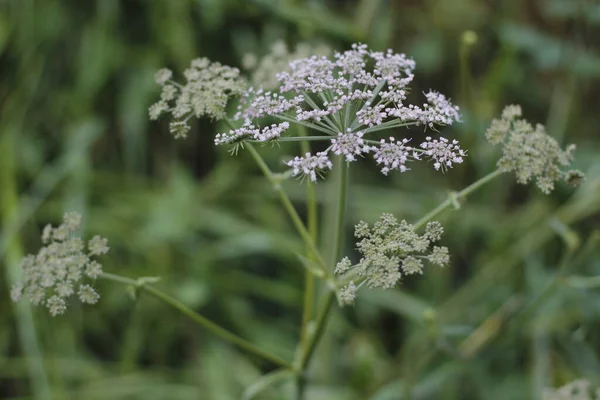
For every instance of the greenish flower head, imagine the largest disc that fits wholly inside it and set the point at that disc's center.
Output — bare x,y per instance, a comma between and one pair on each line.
59,269
389,250
530,152
208,87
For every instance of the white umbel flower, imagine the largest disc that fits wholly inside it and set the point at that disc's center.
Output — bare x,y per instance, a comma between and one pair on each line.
50,276
349,145
310,165
443,152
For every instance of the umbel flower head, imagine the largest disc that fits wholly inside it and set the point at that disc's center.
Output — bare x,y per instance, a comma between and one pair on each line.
348,99
59,270
389,250
530,152
207,89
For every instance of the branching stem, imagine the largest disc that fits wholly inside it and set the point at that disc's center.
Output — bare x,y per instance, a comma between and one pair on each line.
454,197
199,319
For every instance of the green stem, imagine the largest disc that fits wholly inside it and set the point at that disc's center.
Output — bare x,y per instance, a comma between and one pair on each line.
454,197
312,226
341,212
321,128
324,311
289,207
199,319
388,125
322,317
301,139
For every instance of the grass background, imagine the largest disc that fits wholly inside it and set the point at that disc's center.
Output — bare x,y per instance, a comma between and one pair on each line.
510,316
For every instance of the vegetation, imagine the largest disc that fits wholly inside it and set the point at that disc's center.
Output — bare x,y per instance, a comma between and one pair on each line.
513,314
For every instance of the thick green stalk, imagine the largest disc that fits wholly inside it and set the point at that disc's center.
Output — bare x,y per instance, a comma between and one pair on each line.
454,197
322,317
312,226
341,212
324,311
199,319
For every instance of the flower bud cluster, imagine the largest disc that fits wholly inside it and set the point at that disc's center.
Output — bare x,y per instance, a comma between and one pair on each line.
59,270
530,152
389,250
207,89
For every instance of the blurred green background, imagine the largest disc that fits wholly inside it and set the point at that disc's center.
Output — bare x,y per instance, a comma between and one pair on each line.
512,314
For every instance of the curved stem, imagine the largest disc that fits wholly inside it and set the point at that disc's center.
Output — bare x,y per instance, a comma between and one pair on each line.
454,197
199,319
289,207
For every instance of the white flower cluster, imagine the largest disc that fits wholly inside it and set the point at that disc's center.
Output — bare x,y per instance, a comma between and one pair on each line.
389,250
310,165
393,155
56,272
443,152
530,152
250,131
349,145
206,92
348,97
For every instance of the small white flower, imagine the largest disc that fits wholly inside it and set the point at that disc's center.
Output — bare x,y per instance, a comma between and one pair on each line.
347,294
98,245
310,165
47,234
163,75
439,110
157,109
350,145
371,116
16,291
179,129
93,269
393,155
343,266
439,256
56,305
272,132
88,295
412,265
443,152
